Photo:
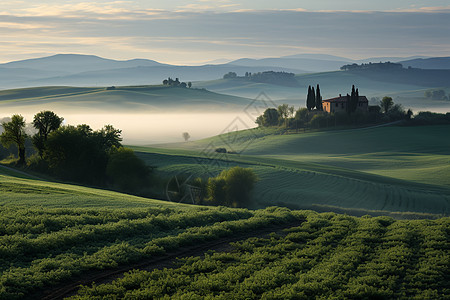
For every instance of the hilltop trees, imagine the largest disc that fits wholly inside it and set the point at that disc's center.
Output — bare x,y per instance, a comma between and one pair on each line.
230,75
176,83
45,122
14,133
386,104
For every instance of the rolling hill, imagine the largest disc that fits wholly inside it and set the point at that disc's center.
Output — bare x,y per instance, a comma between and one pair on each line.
125,98
407,87
89,70
391,169
428,63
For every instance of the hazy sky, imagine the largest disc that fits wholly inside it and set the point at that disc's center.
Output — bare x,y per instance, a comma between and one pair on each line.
187,32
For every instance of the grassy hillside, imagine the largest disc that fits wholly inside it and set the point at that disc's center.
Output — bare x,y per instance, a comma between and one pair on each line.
53,233
18,189
127,98
396,169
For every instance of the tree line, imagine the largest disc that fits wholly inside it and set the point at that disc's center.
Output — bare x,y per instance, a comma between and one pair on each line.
97,157
272,77
77,153
170,82
372,66
313,116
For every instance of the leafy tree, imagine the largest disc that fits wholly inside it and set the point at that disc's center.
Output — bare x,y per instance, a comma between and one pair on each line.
186,136
81,154
301,116
14,133
232,187
215,189
318,99
283,112
108,137
126,171
183,85
230,75
45,122
165,82
386,104
270,117
189,84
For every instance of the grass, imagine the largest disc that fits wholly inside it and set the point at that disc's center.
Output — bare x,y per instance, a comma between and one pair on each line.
391,169
52,233
28,192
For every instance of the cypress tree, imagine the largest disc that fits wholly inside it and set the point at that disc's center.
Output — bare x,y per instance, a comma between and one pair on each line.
308,97
313,98
318,99
349,100
353,103
357,99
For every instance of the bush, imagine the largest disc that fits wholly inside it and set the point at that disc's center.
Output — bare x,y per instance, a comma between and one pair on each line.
126,171
232,187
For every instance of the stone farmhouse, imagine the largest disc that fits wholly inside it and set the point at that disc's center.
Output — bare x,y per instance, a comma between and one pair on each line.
339,104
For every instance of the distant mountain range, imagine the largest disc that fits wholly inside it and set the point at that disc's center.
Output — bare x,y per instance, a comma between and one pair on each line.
89,70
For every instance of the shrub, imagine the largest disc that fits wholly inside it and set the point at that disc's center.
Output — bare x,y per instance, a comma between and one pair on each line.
232,187
126,171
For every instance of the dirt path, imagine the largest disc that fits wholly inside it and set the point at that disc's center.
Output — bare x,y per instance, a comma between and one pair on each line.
165,261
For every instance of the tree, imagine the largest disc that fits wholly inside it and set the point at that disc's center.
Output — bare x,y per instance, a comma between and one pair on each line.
45,122
14,133
270,117
318,99
283,112
183,85
409,114
165,82
189,84
108,137
310,99
186,136
232,187
301,116
126,171
352,103
81,154
230,75
386,104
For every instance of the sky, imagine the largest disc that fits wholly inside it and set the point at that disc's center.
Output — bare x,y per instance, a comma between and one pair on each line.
193,32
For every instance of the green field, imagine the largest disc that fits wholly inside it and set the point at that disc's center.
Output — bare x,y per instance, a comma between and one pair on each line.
54,234
390,169
326,257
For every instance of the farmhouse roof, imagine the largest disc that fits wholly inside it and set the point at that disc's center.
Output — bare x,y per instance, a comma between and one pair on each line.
344,99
